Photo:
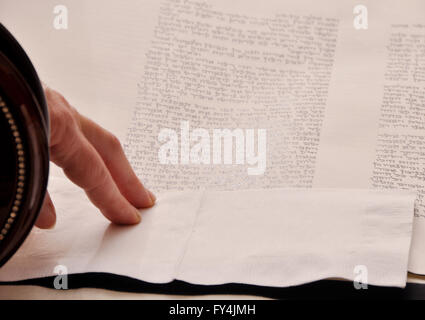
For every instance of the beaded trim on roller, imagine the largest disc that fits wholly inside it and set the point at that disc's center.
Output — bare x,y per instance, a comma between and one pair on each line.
21,169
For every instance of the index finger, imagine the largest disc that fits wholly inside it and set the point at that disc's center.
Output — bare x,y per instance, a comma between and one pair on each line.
84,166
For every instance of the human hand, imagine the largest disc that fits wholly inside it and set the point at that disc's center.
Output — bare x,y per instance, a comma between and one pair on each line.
93,159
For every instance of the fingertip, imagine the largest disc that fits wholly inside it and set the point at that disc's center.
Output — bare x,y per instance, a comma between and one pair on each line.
46,220
47,217
145,199
129,216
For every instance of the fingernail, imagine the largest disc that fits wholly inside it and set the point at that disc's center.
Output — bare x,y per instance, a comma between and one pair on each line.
152,196
138,216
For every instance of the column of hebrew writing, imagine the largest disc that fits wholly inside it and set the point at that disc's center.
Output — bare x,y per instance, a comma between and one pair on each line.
400,146
223,70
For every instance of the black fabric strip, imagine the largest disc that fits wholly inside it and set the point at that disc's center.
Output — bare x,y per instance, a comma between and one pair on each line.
324,289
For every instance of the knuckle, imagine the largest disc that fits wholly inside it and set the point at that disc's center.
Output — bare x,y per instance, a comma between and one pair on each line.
62,123
55,97
64,148
64,116
133,182
99,181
